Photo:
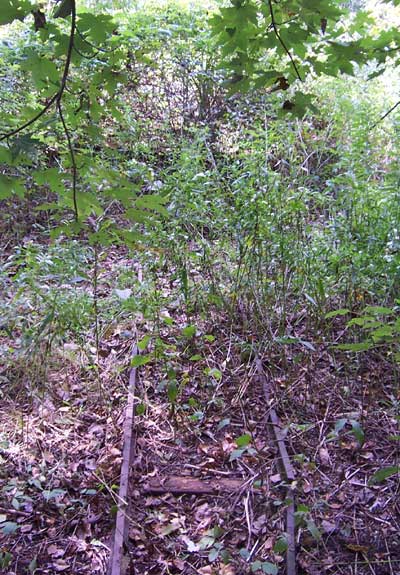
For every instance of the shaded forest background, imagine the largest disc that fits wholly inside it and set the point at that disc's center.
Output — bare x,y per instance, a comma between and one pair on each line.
200,192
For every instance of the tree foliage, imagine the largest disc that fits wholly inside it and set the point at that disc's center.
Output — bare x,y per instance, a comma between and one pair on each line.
278,44
71,62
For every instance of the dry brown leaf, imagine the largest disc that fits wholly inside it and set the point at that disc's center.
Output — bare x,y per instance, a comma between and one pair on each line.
226,569
258,524
324,456
179,564
357,548
328,527
275,478
60,565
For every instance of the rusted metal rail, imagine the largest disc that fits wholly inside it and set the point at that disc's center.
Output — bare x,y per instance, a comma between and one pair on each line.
181,484
117,564
287,471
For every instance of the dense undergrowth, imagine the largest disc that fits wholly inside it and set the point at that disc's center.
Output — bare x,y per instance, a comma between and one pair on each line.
286,230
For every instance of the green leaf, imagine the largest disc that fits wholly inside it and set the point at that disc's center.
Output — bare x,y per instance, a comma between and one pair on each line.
50,494
340,424
209,337
11,185
378,310
384,332
14,10
32,565
9,527
189,331
355,347
313,529
265,567
139,360
51,178
244,440
223,423
213,555
337,312
140,409
367,321
383,474
98,27
152,202
206,542
269,568
44,72
236,454
5,155
281,545
172,391
143,343
5,559
215,373
357,431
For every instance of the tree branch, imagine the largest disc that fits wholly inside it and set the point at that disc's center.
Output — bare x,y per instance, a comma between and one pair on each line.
58,95
385,115
56,98
98,48
69,51
282,43
31,121
73,160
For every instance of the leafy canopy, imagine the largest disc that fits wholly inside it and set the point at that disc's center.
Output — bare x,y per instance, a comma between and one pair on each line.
276,44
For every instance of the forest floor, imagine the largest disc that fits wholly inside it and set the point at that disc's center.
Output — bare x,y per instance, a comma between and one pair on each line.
60,449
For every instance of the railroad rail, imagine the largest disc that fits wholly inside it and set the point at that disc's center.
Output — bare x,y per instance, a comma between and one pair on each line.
184,485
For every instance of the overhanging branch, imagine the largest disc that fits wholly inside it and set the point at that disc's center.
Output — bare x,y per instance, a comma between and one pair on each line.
56,99
280,40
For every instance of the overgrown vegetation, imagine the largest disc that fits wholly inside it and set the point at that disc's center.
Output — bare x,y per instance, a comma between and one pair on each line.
167,178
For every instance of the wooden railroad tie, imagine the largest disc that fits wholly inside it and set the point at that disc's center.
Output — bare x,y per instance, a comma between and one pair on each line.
188,485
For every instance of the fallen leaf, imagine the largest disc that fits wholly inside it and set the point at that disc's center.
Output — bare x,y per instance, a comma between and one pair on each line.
60,565
324,456
357,548
123,294
192,547
226,569
275,478
328,527
179,564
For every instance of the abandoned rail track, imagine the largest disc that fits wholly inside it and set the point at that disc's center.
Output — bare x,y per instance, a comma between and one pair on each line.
211,488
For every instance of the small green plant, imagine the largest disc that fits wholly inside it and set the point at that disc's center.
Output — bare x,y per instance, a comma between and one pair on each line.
5,559
243,447
304,519
211,542
355,429
380,329
264,567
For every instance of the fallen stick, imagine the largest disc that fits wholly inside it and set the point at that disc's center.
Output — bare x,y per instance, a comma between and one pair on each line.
121,525
288,472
